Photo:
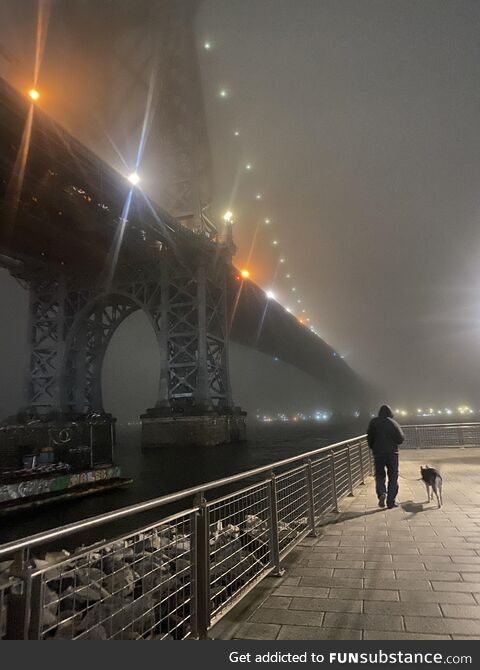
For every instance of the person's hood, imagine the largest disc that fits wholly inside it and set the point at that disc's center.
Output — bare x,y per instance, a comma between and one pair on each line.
385,412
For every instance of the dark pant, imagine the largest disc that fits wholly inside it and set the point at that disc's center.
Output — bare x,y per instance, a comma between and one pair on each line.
390,462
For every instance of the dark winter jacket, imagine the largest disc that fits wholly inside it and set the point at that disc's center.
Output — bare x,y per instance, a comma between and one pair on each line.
384,434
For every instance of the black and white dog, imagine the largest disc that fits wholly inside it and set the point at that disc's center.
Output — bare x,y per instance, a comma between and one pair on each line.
433,482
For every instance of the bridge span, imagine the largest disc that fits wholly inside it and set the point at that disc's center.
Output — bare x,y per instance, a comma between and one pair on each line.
92,249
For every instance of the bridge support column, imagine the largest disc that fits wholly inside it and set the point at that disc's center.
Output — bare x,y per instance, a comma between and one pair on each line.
194,405
47,330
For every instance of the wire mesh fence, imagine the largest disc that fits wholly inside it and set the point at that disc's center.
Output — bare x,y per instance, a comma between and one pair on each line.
440,436
173,579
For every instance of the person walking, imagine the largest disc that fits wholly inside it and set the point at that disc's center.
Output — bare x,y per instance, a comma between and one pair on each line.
383,436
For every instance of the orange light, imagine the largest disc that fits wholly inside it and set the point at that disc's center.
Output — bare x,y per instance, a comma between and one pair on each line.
245,274
34,94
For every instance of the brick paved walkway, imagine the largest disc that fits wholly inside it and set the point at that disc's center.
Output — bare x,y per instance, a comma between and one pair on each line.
408,573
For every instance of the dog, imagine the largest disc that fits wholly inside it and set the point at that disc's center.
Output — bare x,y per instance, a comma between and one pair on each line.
433,482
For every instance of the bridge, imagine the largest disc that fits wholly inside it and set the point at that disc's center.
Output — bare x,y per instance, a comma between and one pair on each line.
91,247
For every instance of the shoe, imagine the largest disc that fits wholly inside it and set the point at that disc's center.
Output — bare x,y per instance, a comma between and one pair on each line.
381,500
392,505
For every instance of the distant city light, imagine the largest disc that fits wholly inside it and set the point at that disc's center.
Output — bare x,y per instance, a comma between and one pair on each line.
282,260
268,221
245,274
287,309
294,289
134,178
223,93
207,46
34,94
248,166
287,276
258,196
228,216
275,243
236,133
270,295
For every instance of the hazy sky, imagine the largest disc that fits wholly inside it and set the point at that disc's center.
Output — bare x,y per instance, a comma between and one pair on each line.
361,121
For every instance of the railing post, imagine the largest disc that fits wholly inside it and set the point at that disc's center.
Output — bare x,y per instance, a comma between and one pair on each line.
19,599
460,436
201,539
311,497
274,541
362,473
350,478
334,481
417,441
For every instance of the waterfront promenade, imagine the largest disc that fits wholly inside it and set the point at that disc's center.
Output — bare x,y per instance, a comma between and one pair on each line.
372,574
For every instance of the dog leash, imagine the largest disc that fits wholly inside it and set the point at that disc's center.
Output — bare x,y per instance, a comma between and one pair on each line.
410,480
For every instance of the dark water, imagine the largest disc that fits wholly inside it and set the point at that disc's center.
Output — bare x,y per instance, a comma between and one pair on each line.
157,472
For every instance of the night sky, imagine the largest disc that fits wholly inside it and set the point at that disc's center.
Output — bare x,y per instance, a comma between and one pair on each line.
360,120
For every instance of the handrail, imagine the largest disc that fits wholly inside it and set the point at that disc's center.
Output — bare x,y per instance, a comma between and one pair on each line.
99,520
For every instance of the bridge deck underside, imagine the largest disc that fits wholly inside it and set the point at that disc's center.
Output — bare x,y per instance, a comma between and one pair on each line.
372,574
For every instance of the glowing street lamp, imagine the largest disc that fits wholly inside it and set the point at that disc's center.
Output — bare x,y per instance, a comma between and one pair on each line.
228,217
34,94
134,178
245,274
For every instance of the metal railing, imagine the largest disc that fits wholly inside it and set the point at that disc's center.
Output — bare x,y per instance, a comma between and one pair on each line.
175,578
441,435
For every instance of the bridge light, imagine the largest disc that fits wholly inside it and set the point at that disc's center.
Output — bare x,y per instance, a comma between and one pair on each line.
270,295
223,93
248,166
258,196
228,216
268,221
207,46
236,133
245,274
34,94
134,178
275,243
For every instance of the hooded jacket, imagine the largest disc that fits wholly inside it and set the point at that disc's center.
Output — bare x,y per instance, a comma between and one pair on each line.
383,433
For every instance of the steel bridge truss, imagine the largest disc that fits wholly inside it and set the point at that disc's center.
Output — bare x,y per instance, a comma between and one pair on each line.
73,319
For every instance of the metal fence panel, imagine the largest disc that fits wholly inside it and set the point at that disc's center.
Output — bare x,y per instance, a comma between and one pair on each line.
139,587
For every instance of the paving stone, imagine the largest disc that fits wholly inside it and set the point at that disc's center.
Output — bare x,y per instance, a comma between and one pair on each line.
326,605
291,617
422,624
277,602
299,571
430,575
380,574
406,584
332,563
301,591
395,565
364,594
448,597
403,608
461,611
256,631
332,581
314,633
363,621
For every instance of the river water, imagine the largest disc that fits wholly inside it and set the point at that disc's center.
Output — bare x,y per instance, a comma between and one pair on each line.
157,472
